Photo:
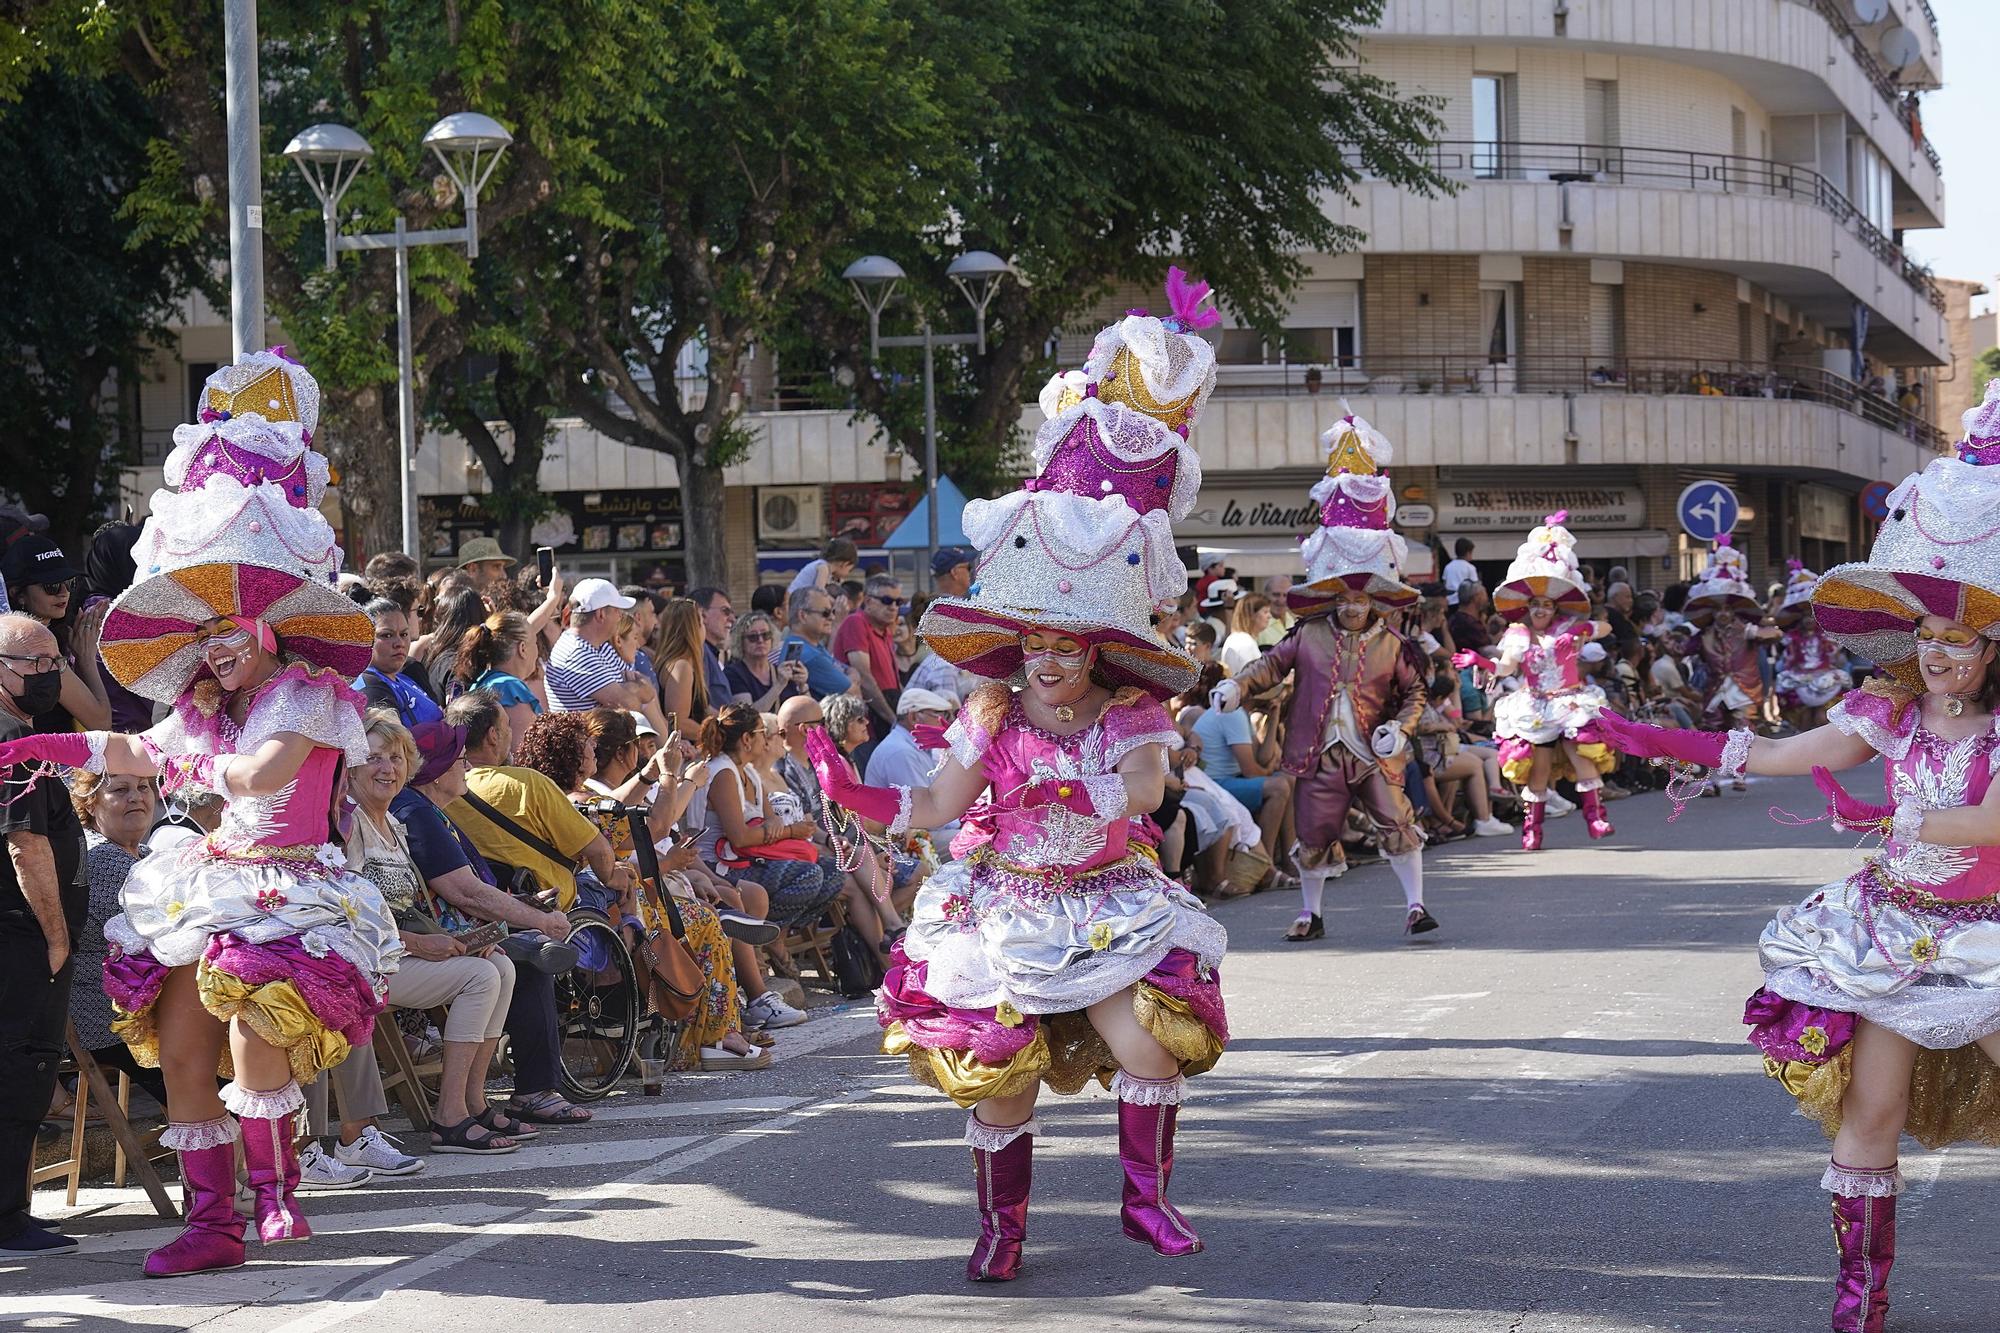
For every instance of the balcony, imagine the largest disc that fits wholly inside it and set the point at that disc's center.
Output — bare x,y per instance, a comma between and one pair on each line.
1782,226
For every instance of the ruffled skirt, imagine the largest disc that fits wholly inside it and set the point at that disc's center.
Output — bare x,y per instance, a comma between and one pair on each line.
986,990
1523,720
1925,968
291,942
1812,689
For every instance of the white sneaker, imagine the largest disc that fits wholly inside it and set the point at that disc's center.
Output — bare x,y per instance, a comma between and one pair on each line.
768,1011
379,1153
1491,828
1558,807
320,1170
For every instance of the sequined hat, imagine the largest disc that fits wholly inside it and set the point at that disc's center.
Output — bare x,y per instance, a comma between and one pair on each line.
1724,584
269,385
1353,549
1545,566
241,536
1938,553
1799,585
1158,366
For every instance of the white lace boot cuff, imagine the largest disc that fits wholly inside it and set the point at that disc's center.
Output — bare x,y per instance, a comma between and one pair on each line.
1849,1182
189,1136
1590,783
1148,1091
992,1138
273,1105
1108,798
1736,754
1533,797
901,823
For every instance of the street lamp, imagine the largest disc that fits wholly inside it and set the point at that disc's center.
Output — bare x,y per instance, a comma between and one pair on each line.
977,275
468,146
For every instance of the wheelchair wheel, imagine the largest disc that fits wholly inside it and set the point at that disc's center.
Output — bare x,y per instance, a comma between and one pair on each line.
598,1013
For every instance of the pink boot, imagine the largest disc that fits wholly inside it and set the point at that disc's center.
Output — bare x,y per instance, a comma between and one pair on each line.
1531,824
213,1236
1594,818
1003,1168
1147,1110
271,1158
1864,1230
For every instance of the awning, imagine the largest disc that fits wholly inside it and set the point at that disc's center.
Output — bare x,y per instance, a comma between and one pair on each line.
1641,542
913,533
1261,557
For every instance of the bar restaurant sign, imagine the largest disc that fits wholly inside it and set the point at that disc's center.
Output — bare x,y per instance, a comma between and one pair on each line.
1475,508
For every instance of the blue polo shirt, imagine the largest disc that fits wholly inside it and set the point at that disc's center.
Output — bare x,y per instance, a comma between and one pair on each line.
823,674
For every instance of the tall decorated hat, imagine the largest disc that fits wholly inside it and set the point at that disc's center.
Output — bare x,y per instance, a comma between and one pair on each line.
1937,554
1086,545
1353,549
1545,566
239,534
1799,585
1724,585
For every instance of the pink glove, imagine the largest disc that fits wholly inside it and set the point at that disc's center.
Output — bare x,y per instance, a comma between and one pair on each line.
930,735
1848,810
1642,740
71,749
1467,657
837,782
1067,793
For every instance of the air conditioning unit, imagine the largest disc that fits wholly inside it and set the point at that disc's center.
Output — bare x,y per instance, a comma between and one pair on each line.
789,514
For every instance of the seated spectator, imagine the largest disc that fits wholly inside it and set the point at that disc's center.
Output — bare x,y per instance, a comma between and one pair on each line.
393,680
584,669
116,812
1447,762
190,814
1467,621
464,882
809,623
498,654
1201,641
868,898
1248,621
457,608
757,676
436,969
899,761
1245,767
744,834
1218,823
677,655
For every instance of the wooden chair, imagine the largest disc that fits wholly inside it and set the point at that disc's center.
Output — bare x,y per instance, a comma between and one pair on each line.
402,1076
136,1151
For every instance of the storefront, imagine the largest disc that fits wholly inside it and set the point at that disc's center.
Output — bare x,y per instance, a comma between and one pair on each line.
1497,509
1256,525
625,536
794,523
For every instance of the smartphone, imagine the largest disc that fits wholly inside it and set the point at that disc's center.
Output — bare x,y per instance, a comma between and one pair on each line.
545,564
673,721
792,650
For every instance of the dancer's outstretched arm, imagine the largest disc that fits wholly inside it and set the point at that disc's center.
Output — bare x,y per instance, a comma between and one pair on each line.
1794,756
949,794
1963,826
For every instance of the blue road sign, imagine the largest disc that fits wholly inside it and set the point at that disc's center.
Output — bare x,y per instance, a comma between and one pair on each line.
1875,499
1708,510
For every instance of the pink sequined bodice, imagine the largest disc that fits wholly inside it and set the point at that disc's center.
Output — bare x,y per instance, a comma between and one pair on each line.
1549,664
1940,774
298,816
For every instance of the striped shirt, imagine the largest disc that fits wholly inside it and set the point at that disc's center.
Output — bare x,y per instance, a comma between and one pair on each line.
576,671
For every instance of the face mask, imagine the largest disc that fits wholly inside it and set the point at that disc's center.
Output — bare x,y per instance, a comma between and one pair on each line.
40,691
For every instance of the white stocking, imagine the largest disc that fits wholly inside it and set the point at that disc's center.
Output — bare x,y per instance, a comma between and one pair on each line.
1312,888
1409,868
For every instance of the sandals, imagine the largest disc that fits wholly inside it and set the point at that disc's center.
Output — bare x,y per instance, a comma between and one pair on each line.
1420,921
1315,929
501,1123
458,1138
717,1059
546,1108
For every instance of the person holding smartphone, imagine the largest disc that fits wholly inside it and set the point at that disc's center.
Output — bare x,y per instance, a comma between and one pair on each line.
756,676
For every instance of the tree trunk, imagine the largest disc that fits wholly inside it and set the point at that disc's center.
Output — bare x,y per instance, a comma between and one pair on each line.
701,524
361,444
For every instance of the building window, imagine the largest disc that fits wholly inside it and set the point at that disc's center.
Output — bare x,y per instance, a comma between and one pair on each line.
1496,322
1607,325
1323,328
1491,124
197,380
1600,113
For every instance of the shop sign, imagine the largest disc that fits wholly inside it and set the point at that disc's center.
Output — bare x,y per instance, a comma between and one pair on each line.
1510,508
592,522
1415,516
1261,511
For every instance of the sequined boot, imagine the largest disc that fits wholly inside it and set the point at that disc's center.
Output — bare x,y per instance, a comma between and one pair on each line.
271,1158
1002,1168
1594,819
213,1236
1864,1231
1147,1110
1531,823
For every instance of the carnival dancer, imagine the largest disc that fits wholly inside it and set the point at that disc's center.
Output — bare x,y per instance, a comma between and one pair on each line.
1053,949
1725,607
1812,670
252,953
1359,686
1880,1010
1547,727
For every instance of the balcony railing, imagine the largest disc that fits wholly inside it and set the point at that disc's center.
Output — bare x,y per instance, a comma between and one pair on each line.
1930,16
1679,169
1660,376
1885,83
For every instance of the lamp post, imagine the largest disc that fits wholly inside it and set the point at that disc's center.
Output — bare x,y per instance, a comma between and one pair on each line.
977,274
246,177
468,146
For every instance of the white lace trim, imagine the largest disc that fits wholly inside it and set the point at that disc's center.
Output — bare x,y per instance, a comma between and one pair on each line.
276,1104
1124,745
992,1138
1889,744
901,823
95,740
1907,826
1883,1183
218,778
1108,798
1148,1091
183,1136
968,751
1736,753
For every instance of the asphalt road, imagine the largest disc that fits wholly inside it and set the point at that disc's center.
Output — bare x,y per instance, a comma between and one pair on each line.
1543,1117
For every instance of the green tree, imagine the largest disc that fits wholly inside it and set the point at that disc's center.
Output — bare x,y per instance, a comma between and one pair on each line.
1984,367
84,297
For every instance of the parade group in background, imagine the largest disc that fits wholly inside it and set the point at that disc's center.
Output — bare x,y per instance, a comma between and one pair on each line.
1060,939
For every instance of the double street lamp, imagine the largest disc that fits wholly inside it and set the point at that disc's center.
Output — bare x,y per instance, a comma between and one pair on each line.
468,146
977,275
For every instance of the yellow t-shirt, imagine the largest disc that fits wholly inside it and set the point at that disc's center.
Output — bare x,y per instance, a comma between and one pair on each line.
534,802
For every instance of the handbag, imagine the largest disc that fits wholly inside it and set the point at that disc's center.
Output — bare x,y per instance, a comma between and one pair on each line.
857,969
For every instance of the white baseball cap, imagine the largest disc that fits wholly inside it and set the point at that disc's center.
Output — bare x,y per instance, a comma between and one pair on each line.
596,594
925,701
643,723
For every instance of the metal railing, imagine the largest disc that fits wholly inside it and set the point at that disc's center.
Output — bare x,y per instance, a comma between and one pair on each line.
1885,84
1930,16
1676,168
1530,374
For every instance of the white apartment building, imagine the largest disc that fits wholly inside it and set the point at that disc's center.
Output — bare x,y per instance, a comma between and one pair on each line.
1672,254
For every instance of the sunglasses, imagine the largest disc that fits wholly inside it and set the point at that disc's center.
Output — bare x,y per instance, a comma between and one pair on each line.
762,636
888,601
56,589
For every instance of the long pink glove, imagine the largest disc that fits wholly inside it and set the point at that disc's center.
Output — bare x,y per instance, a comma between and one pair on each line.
837,782
1642,740
1848,810
1467,657
71,749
